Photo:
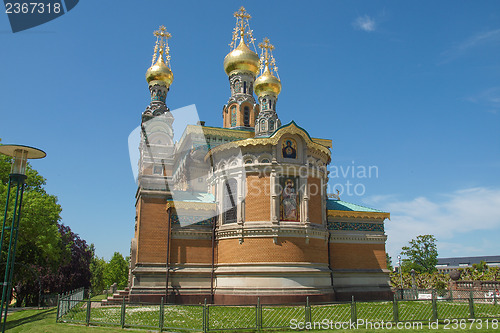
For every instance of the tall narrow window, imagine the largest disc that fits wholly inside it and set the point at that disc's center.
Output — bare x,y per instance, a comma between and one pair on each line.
244,87
233,115
229,203
246,116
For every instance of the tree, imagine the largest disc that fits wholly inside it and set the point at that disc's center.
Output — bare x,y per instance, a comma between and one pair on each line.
48,253
97,269
421,254
38,246
116,271
482,267
388,261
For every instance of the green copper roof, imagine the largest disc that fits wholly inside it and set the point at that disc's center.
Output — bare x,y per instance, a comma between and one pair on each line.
187,196
342,205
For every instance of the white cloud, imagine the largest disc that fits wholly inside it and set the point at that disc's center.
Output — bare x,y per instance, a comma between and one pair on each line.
450,219
459,49
365,23
478,39
490,99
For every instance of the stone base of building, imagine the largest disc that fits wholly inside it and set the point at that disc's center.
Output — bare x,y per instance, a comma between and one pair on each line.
228,299
362,284
244,284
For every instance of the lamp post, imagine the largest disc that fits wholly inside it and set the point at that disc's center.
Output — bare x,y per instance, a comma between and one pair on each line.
414,287
10,228
400,275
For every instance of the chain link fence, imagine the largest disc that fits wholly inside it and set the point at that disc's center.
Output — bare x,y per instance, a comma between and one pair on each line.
69,300
210,317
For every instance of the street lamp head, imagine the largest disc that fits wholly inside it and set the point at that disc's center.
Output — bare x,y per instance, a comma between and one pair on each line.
21,154
399,257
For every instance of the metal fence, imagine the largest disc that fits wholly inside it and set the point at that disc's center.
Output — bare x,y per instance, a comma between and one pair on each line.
210,317
69,300
491,296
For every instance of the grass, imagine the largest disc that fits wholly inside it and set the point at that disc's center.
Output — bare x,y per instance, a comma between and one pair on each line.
44,321
225,317
100,297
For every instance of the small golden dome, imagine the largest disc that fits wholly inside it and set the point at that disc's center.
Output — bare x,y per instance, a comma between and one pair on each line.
242,59
160,72
267,84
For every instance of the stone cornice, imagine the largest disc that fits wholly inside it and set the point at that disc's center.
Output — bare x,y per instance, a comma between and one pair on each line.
356,214
191,205
191,233
271,231
361,238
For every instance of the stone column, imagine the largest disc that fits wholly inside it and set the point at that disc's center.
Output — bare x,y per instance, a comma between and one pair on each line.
240,203
305,201
275,204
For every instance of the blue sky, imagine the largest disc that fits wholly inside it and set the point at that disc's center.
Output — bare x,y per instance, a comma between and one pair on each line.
411,88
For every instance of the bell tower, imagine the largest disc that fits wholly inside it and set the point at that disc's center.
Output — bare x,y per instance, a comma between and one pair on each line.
157,146
267,88
241,66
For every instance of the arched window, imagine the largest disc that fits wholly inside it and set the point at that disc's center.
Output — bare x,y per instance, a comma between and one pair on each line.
233,115
244,87
229,201
237,87
246,116
271,125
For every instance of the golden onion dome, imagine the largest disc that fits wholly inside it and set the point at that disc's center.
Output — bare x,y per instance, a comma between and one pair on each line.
241,60
160,72
267,84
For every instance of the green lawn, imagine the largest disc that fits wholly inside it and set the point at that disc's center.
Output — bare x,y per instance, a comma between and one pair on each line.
44,320
225,317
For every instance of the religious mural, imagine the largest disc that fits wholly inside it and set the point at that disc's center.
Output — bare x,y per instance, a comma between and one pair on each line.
289,148
289,206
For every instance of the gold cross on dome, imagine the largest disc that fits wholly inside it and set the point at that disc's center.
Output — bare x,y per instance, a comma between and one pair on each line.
266,47
242,13
242,29
162,32
161,45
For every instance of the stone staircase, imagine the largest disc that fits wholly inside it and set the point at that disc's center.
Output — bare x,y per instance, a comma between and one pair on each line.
117,297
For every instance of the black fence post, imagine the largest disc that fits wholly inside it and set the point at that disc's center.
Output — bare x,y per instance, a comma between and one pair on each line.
162,312
308,310
354,314
395,310
471,305
87,316
495,297
58,307
258,315
205,317
122,316
434,306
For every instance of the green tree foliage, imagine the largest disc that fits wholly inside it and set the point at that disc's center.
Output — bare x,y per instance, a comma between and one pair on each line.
421,254
116,271
49,255
388,261
482,267
438,281
97,269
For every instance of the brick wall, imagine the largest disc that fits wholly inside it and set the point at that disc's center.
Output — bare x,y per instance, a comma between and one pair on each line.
357,256
289,249
257,201
152,231
191,251
315,212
